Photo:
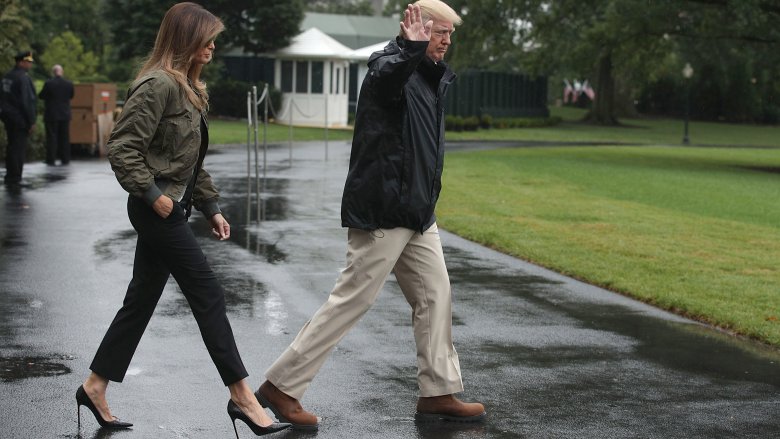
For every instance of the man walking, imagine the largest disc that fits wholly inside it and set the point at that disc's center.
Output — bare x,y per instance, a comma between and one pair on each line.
388,205
18,114
56,94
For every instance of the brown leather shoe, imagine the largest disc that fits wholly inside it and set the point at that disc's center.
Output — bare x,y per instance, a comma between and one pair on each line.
286,408
448,408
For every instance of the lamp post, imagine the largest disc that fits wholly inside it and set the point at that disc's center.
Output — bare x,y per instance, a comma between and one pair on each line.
687,74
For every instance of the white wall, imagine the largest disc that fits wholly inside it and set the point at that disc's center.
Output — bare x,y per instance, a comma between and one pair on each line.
307,98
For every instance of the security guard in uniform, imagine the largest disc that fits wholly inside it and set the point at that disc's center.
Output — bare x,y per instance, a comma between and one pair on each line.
18,113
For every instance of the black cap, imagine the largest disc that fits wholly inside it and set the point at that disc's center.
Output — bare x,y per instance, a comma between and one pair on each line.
25,55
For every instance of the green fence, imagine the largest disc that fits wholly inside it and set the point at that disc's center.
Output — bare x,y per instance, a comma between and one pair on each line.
477,92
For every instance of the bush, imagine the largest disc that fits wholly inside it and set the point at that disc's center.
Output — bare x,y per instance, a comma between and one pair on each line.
453,123
471,123
486,121
525,122
36,143
227,97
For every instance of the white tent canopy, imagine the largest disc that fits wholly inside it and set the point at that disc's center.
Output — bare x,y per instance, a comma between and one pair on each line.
313,74
364,53
314,44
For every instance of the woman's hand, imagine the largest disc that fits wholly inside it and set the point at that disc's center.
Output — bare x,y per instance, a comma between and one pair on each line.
412,28
163,206
220,227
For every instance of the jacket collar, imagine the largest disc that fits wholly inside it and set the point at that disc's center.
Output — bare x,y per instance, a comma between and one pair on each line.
431,71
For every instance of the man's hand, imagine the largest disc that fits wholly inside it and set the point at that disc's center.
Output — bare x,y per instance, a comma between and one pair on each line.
163,206
412,28
220,227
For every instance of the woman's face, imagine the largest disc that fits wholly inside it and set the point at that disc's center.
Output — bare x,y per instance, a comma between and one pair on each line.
204,55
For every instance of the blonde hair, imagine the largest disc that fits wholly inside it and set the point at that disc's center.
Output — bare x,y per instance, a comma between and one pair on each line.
185,30
438,10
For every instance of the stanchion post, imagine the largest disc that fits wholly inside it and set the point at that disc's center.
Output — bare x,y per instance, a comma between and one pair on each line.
326,127
266,96
257,170
248,158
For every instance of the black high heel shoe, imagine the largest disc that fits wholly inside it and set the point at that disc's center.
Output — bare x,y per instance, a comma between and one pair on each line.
83,399
235,413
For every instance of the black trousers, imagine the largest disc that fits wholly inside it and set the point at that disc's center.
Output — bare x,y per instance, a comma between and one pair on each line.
168,246
15,152
57,141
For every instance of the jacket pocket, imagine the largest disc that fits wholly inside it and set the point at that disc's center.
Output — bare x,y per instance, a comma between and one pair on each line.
182,141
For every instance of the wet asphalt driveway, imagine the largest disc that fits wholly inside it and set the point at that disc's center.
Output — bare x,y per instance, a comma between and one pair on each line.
549,356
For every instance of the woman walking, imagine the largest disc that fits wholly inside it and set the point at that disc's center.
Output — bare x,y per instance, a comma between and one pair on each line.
156,152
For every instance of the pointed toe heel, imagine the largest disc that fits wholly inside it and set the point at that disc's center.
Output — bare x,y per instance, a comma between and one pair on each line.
83,399
235,413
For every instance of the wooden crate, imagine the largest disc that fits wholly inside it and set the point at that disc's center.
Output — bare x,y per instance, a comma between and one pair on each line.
83,127
95,97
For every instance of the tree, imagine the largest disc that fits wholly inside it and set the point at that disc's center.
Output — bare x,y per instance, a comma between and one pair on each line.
607,39
347,7
13,31
134,25
490,35
67,50
258,26
53,17
633,39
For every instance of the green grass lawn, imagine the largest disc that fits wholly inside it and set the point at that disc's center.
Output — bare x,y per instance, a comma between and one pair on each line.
694,230
223,131
633,131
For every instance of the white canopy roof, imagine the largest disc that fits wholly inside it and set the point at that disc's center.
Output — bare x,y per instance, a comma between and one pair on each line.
364,53
313,43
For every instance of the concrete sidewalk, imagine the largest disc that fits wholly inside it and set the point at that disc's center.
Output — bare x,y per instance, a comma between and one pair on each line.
548,355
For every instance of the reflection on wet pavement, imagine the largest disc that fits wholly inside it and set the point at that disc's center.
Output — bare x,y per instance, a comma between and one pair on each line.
117,246
274,205
11,241
595,337
19,368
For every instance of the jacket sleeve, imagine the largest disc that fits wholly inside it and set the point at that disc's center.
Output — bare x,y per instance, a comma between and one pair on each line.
390,69
129,142
204,196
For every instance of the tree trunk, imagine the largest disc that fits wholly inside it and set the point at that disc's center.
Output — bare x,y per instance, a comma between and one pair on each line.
603,111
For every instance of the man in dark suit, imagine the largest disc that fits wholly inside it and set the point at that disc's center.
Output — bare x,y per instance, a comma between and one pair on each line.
17,96
57,93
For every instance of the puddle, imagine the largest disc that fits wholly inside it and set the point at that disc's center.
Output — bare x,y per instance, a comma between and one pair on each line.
12,242
255,245
242,294
233,199
19,368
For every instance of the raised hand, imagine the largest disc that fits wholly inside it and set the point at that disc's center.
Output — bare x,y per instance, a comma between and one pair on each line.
412,28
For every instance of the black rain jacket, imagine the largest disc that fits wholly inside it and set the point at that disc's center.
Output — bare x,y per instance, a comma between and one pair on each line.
18,101
397,157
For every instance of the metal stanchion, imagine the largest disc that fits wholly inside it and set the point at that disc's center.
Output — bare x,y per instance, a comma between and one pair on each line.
257,170
265,133
326,127
248,158
289,127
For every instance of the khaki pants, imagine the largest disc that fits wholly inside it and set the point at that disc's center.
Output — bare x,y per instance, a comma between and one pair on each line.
418,263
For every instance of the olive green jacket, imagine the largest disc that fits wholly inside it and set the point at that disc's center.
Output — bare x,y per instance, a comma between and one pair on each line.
155,144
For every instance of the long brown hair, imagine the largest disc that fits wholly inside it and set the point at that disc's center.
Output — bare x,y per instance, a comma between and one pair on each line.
185,30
